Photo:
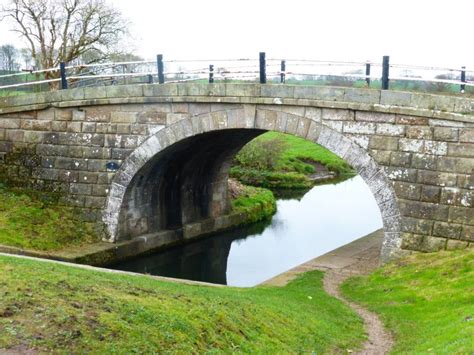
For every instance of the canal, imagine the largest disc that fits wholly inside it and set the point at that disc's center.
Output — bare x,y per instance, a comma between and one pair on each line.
304,227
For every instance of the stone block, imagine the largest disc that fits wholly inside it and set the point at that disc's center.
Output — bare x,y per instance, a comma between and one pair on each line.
411,145
385,143
401,159
359,127
436,148
424,210
123,117
456,165
47,114
9,123
389,97
436,178
124,91
467,233
94,114
250,90
161,90
464,215
313,131
387,129
80,188
63,114
430,193
94,202
424,161
15,135
313,113
337,114
407,191
362,95
381,156
432,244
88,127
419,132
98,92
446,134
416,226
456,244
447,230
79,115
58,126
272,90
74,127
411,241
319,93
374,117
461,150
466,135
411,120
401,174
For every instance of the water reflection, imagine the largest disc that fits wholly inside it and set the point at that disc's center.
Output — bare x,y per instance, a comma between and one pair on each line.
304,227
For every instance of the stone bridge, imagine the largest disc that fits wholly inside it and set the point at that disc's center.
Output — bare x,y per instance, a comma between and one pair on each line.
141,159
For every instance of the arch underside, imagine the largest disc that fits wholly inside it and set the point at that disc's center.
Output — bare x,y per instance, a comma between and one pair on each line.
179,175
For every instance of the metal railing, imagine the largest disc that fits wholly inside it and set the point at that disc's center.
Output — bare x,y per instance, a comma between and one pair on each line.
295,71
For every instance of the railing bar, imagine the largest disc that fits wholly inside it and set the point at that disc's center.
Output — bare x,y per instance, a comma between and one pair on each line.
30,83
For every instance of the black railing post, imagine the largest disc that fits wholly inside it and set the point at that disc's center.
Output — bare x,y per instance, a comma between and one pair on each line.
282,72
150,79
211,74
62,72
367,73
161,75
385,70
263,74
463,79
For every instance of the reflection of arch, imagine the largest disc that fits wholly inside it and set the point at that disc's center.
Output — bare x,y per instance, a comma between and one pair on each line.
193,156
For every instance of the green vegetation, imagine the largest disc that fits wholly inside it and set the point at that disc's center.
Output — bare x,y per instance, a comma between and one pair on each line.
52,307
426,301
277,160
28,222
257,203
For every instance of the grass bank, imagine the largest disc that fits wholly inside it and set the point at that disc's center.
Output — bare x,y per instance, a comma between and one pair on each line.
257,203
28,222
426,301
51,307
281,161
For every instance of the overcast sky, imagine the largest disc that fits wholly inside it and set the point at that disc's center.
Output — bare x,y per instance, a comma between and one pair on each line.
411,32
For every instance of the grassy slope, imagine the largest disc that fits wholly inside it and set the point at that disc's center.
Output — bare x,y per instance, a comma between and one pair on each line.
426,300
26,222
48,306
291,167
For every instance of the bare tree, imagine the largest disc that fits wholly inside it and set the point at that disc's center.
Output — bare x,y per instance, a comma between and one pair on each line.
8,58
64,30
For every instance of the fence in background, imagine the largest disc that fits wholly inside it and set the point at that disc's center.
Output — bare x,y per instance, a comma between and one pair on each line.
382,75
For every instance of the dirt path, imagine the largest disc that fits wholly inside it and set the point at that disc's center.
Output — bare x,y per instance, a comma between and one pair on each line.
357,258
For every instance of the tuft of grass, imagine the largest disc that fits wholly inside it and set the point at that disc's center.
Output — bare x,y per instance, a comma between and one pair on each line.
257,203
28,222
52,307
425,300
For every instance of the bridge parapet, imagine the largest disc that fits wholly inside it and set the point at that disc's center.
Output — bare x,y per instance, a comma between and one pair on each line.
418,147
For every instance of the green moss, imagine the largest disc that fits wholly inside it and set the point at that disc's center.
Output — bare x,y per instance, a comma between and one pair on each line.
426,301
257,203
50,307
29,222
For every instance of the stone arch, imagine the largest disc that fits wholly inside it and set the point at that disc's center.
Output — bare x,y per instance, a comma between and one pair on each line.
247,121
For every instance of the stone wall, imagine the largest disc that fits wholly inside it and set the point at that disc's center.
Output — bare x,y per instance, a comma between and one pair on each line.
415,151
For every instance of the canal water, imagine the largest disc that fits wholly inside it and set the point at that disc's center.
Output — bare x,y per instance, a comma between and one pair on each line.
304,227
